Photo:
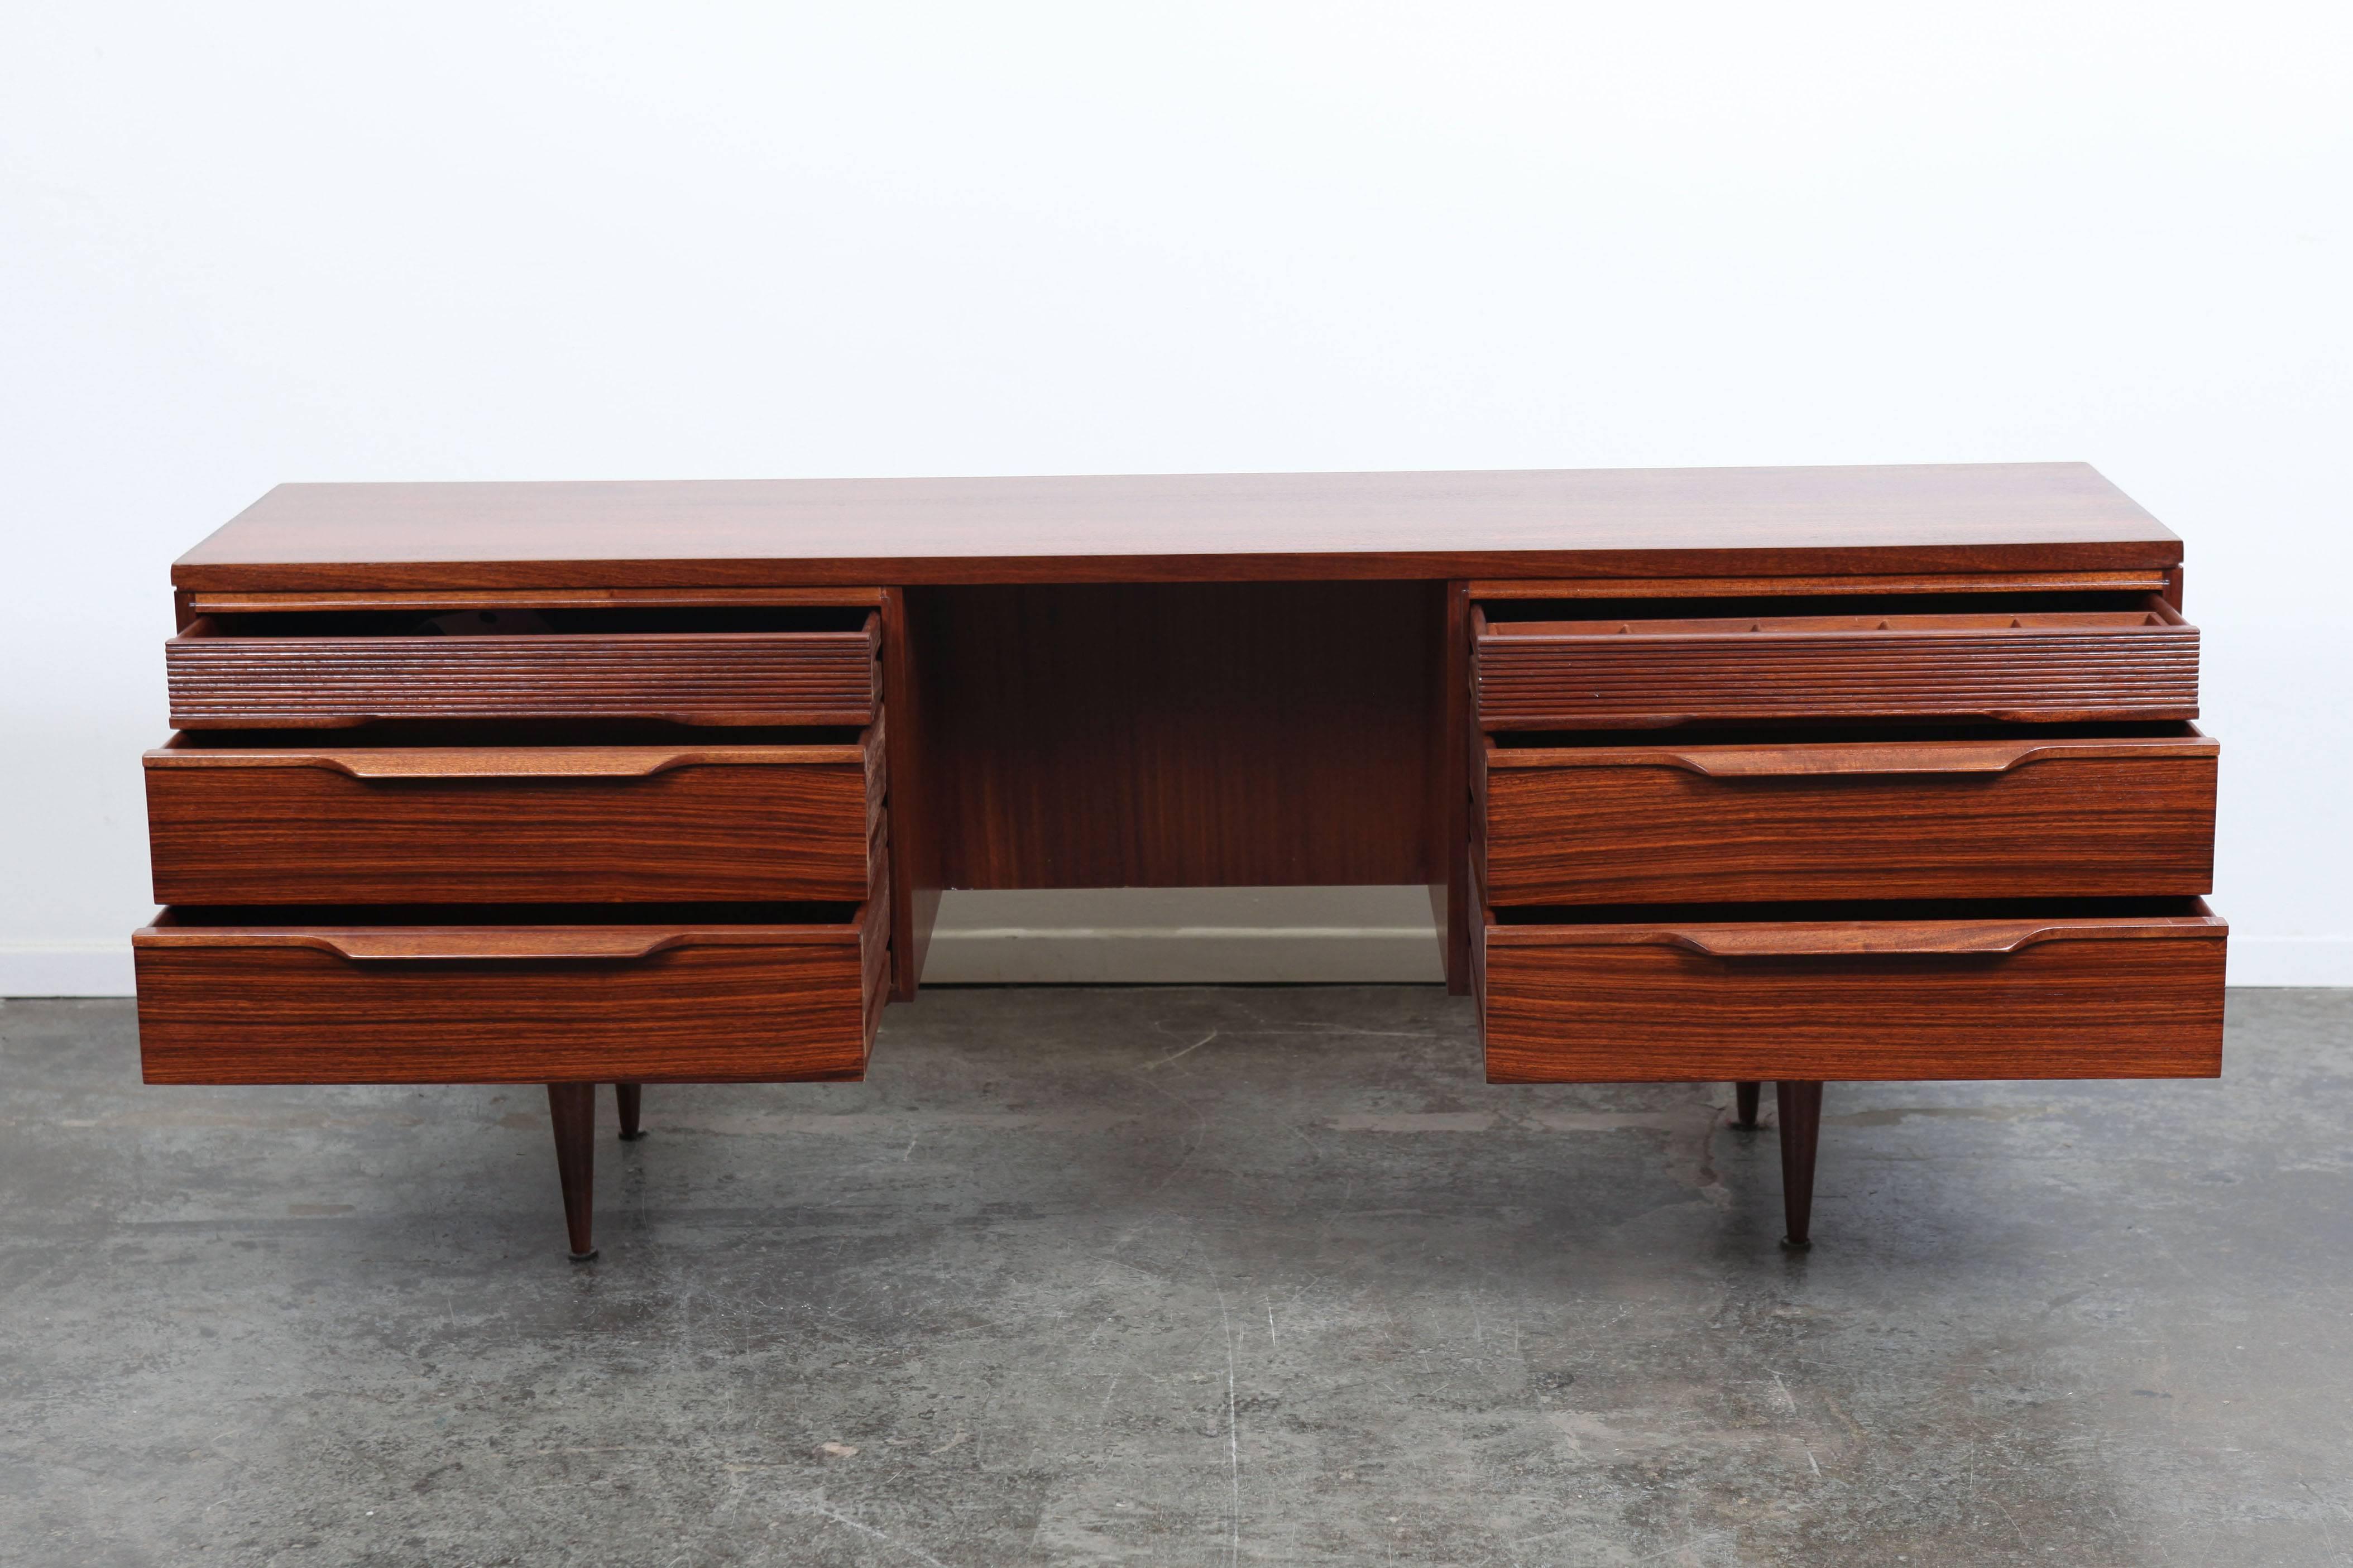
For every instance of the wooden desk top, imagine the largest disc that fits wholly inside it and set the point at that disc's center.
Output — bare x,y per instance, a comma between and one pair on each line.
1607,522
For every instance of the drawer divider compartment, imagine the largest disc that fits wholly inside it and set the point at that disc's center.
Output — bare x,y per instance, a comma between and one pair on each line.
805,666
2025,665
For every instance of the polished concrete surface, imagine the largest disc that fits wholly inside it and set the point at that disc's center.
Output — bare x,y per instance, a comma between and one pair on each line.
1180,1276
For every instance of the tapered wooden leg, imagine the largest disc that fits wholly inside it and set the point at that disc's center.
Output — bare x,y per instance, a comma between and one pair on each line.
572,1107
1801,1107
628,1096
1745,1094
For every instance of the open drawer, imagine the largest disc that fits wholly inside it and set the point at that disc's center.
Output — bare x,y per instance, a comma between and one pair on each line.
2064,988
700,993
2043,658
1731,816
331,668
379,818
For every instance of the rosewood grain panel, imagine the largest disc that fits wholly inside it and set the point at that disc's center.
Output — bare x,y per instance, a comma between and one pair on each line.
2021,818
2030,517
2046,666
507,825
527,599
1452,901
1181,734
914,833
219,680
1684,1001
668,1002
2147,581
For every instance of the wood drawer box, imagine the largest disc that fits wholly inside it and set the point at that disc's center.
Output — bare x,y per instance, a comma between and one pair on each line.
700,995
325,671
2116,989
539,824
2048,664
2075,811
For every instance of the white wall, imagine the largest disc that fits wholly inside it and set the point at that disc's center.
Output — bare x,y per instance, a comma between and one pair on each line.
242,244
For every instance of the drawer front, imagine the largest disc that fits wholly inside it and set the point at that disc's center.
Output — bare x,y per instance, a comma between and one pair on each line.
703,1003
1970,820
546,825
1984,999
1575,675
226,682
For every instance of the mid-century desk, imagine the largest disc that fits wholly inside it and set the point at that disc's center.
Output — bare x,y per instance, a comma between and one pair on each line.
1795,775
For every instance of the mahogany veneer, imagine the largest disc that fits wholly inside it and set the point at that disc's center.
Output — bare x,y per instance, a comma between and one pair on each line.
448,824
1179,735
648,999
1707,995
2022,815
1184,528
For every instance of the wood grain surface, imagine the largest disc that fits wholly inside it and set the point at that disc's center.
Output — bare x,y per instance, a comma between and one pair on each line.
290,1003
321,600
2033,517
1453,900
2148,580
506,824
1695,1001
1182,734
220,680
1629,674
2079,815
915,878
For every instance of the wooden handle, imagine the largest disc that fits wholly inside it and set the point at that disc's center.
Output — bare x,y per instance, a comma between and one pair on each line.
451,942
1962,758
496,945
1886,758
1915,939
416,944
1892,939
428,763
491,762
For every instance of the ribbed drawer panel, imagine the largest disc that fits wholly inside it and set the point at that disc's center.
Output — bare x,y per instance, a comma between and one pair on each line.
1527,679
732,678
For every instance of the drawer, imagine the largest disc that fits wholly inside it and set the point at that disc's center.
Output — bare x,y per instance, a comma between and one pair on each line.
524,995
325,671
393,823
1909,658
2123,988
2073,811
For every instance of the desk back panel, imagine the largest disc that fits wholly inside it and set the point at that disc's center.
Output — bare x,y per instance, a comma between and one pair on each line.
1181,734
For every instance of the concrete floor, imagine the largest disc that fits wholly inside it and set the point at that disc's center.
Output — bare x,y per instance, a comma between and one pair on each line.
1180,1276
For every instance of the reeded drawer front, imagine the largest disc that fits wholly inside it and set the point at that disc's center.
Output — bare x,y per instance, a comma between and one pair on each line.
2137,663
814,666
551,824
698,995
2067,813
2133,989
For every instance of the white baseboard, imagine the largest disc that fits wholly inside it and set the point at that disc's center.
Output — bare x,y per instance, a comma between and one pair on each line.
1205,936
1201,956
65,969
